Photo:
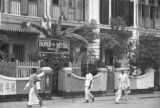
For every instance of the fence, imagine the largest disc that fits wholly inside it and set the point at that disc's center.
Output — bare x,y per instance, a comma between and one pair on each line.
18,69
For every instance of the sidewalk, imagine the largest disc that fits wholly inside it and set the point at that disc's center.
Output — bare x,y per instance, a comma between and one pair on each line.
59,102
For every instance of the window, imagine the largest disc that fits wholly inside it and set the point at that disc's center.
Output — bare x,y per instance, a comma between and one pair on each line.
32,7
15,7
18,50
71,3
56,2
56,9
2,5
123,9
71,10
151,1
104,11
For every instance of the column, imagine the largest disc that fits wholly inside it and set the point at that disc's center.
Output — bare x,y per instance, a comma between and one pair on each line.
48,4
45,8
135,13
110,10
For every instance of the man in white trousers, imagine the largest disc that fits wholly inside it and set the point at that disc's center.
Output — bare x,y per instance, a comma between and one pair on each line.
124,85
88,85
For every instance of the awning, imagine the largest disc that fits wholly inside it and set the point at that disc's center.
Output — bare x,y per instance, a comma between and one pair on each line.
17,28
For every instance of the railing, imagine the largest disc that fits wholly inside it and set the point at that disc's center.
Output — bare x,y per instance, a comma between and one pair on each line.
18,69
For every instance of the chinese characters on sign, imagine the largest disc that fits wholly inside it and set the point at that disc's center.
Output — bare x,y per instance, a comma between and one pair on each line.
54,46
7,87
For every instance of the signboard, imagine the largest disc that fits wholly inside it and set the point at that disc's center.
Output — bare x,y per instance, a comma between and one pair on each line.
54,46
7,87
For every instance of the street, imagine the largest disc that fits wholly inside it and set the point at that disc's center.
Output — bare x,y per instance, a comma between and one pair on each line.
135,101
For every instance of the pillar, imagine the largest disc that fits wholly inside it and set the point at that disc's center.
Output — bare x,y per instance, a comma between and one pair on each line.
135,13
110,10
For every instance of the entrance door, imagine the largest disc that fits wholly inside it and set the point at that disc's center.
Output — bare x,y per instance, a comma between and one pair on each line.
110,74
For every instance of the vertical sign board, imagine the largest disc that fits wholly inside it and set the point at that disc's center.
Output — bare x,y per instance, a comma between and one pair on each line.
0,18
7,86
54,46
48,82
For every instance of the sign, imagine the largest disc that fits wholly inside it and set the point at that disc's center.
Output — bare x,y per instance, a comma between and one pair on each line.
54,46
7,87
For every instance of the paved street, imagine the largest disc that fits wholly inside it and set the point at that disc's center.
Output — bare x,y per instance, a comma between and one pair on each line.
135,101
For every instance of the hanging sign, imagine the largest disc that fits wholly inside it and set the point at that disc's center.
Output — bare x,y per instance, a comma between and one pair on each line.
54,46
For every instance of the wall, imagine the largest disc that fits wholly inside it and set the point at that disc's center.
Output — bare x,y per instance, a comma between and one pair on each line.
15,86
69,82
145,81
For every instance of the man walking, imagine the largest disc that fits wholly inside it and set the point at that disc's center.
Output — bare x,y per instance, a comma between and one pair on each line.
88,85
124,85
33,97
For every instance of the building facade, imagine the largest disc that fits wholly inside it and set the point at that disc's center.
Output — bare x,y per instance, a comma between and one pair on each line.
142,16
21,41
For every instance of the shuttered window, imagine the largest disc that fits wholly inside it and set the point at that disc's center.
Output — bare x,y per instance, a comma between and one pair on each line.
79,10
71,13
32,8
2,6
15,6
104,11
124,9
64,7
55,13
40,6
149,14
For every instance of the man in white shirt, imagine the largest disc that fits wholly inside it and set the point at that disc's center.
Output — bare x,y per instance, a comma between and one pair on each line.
124,85
38,85
88,85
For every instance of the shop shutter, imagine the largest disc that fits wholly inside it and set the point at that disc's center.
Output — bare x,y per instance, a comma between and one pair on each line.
40,8
64,7
24,7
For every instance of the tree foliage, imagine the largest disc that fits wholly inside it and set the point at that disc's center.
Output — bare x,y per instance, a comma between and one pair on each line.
79,38
116,39
148,52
